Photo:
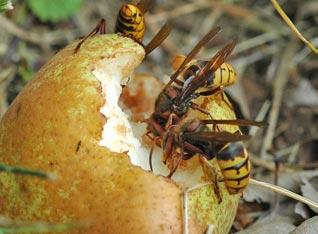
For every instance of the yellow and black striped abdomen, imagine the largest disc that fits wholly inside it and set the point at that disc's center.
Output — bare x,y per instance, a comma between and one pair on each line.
187,76
130,22
235,166
225,75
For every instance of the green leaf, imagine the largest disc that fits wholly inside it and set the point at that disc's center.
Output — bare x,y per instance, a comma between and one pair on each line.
5,5
26,73
54,10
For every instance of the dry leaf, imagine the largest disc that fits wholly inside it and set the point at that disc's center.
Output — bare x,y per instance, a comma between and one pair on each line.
302,210
253,193
270,225
310,189
305,94
309,226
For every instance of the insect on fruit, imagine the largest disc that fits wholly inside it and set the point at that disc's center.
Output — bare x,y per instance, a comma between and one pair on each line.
191,137
181,138
130,20
224,76
166,106
176,97
131,23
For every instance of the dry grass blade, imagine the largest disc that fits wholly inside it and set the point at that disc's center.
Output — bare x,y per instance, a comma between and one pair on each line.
285,192
293,27
279,85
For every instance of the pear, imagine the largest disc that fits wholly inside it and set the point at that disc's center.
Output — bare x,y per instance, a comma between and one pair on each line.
67,120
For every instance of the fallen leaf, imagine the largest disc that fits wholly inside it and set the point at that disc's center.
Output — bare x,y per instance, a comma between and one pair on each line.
310,226
309,189
302,210
253,193
305,94
270,225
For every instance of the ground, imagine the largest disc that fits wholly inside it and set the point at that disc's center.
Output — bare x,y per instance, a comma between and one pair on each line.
277,79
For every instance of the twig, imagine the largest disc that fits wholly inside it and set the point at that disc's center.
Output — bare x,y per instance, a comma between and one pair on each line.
279,87
293,27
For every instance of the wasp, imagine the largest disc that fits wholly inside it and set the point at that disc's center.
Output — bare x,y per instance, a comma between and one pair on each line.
176,135
131,23
177,97
193,136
